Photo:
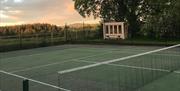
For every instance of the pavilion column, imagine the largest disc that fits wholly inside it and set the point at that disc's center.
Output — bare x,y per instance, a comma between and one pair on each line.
109,29
113,29
118,29
123,32
104,30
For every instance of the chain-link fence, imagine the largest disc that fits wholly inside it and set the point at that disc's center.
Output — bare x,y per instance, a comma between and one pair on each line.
22,41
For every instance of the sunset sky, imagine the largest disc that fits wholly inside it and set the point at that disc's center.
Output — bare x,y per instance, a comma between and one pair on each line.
59,12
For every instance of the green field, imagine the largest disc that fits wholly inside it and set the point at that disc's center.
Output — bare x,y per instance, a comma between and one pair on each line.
153,72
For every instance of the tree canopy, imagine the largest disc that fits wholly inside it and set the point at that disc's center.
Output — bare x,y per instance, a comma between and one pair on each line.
136,12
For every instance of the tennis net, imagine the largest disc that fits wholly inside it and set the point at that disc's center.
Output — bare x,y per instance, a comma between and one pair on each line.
129,73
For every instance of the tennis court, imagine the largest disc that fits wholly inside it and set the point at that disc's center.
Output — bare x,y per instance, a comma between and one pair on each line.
92,68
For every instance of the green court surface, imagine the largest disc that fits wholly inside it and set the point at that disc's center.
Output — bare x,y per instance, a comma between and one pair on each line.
65,68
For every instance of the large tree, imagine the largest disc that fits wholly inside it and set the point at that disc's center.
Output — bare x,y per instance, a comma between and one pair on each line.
135,12
110,10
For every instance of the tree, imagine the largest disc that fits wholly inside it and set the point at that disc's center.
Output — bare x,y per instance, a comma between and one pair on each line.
112,10
162,19
135,12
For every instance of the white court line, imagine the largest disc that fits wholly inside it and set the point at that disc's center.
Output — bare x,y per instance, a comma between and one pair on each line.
115,60
41,66
134,67
73,48
70,49
21,77
51,64
178,72
37,54
37,67
44,53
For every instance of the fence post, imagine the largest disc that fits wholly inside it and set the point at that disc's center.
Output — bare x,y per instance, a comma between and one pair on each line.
37,39
66,33
20,38
52,37
25,85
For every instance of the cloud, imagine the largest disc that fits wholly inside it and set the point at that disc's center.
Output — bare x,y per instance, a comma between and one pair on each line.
70,7
3,16
32,11
18,1
10,14
3,1
11,23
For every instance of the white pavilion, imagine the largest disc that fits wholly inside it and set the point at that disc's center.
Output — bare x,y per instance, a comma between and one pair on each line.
115,30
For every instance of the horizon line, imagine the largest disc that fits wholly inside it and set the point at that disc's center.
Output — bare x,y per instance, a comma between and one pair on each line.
8,25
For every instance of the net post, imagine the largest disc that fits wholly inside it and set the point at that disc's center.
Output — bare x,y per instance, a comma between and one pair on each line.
59,77
25,85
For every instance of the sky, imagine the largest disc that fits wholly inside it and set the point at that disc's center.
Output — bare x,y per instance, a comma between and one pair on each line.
58,12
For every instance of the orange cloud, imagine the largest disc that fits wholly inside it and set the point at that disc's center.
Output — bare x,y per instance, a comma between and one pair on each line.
3,16
10,14
70,7
13,17
15,11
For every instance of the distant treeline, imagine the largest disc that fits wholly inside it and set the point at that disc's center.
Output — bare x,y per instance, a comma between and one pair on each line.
42,28
28,29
